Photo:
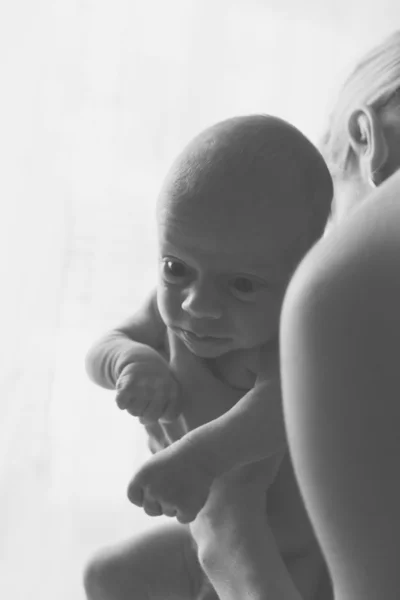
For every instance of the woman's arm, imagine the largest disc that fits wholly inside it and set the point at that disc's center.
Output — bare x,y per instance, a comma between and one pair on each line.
340,361
244,561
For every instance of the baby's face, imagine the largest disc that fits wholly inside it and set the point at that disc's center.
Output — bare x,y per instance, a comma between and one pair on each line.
221,280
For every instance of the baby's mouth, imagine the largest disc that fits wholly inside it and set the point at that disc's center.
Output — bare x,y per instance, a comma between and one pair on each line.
202,337
206,346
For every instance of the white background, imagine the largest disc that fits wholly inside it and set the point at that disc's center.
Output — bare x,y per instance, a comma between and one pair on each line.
96,98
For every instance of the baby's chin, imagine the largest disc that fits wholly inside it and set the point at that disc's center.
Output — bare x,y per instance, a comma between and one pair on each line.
209,353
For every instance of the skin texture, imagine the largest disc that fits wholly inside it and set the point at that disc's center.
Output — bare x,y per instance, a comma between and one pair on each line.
339,344
339,339
231,229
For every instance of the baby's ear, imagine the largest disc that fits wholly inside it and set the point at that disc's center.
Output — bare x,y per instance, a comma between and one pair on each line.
368,141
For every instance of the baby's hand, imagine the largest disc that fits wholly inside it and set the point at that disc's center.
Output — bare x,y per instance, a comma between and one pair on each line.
175,482
148,389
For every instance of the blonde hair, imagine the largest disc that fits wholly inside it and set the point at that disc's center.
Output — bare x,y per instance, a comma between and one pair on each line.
374,83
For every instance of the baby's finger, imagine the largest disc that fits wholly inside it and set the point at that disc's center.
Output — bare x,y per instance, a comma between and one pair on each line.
172,407
155,408
123,398
123,388
135,493
138,405
152,507
140,398
168,510
171,412
185,516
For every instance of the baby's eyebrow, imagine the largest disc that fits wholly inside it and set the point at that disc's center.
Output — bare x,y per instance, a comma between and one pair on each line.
168,250
185,250
268,274
258,264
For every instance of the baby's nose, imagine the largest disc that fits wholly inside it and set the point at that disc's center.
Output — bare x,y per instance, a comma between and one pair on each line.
203,302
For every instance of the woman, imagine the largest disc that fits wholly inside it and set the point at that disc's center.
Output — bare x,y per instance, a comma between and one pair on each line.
340,337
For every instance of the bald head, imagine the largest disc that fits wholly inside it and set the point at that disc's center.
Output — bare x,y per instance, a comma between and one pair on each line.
257,171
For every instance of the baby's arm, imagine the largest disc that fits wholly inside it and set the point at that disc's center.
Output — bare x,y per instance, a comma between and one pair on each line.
181,475
251,430
130,359
138,337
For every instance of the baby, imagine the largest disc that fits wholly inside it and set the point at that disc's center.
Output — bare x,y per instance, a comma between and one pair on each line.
198,364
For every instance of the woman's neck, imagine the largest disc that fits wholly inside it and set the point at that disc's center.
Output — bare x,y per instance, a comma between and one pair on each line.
349,194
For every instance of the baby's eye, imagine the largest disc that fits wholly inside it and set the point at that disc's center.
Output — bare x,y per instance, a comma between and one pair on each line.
174,270
245,287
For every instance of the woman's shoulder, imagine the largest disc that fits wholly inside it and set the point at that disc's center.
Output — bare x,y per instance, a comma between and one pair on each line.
358,262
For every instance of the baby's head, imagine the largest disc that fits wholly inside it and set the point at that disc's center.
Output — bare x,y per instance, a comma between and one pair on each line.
240,207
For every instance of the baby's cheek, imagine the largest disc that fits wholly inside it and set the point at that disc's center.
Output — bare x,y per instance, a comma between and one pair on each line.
169,304
246,332
258,326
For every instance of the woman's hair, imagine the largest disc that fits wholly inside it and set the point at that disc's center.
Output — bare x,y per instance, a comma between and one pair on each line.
374,83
